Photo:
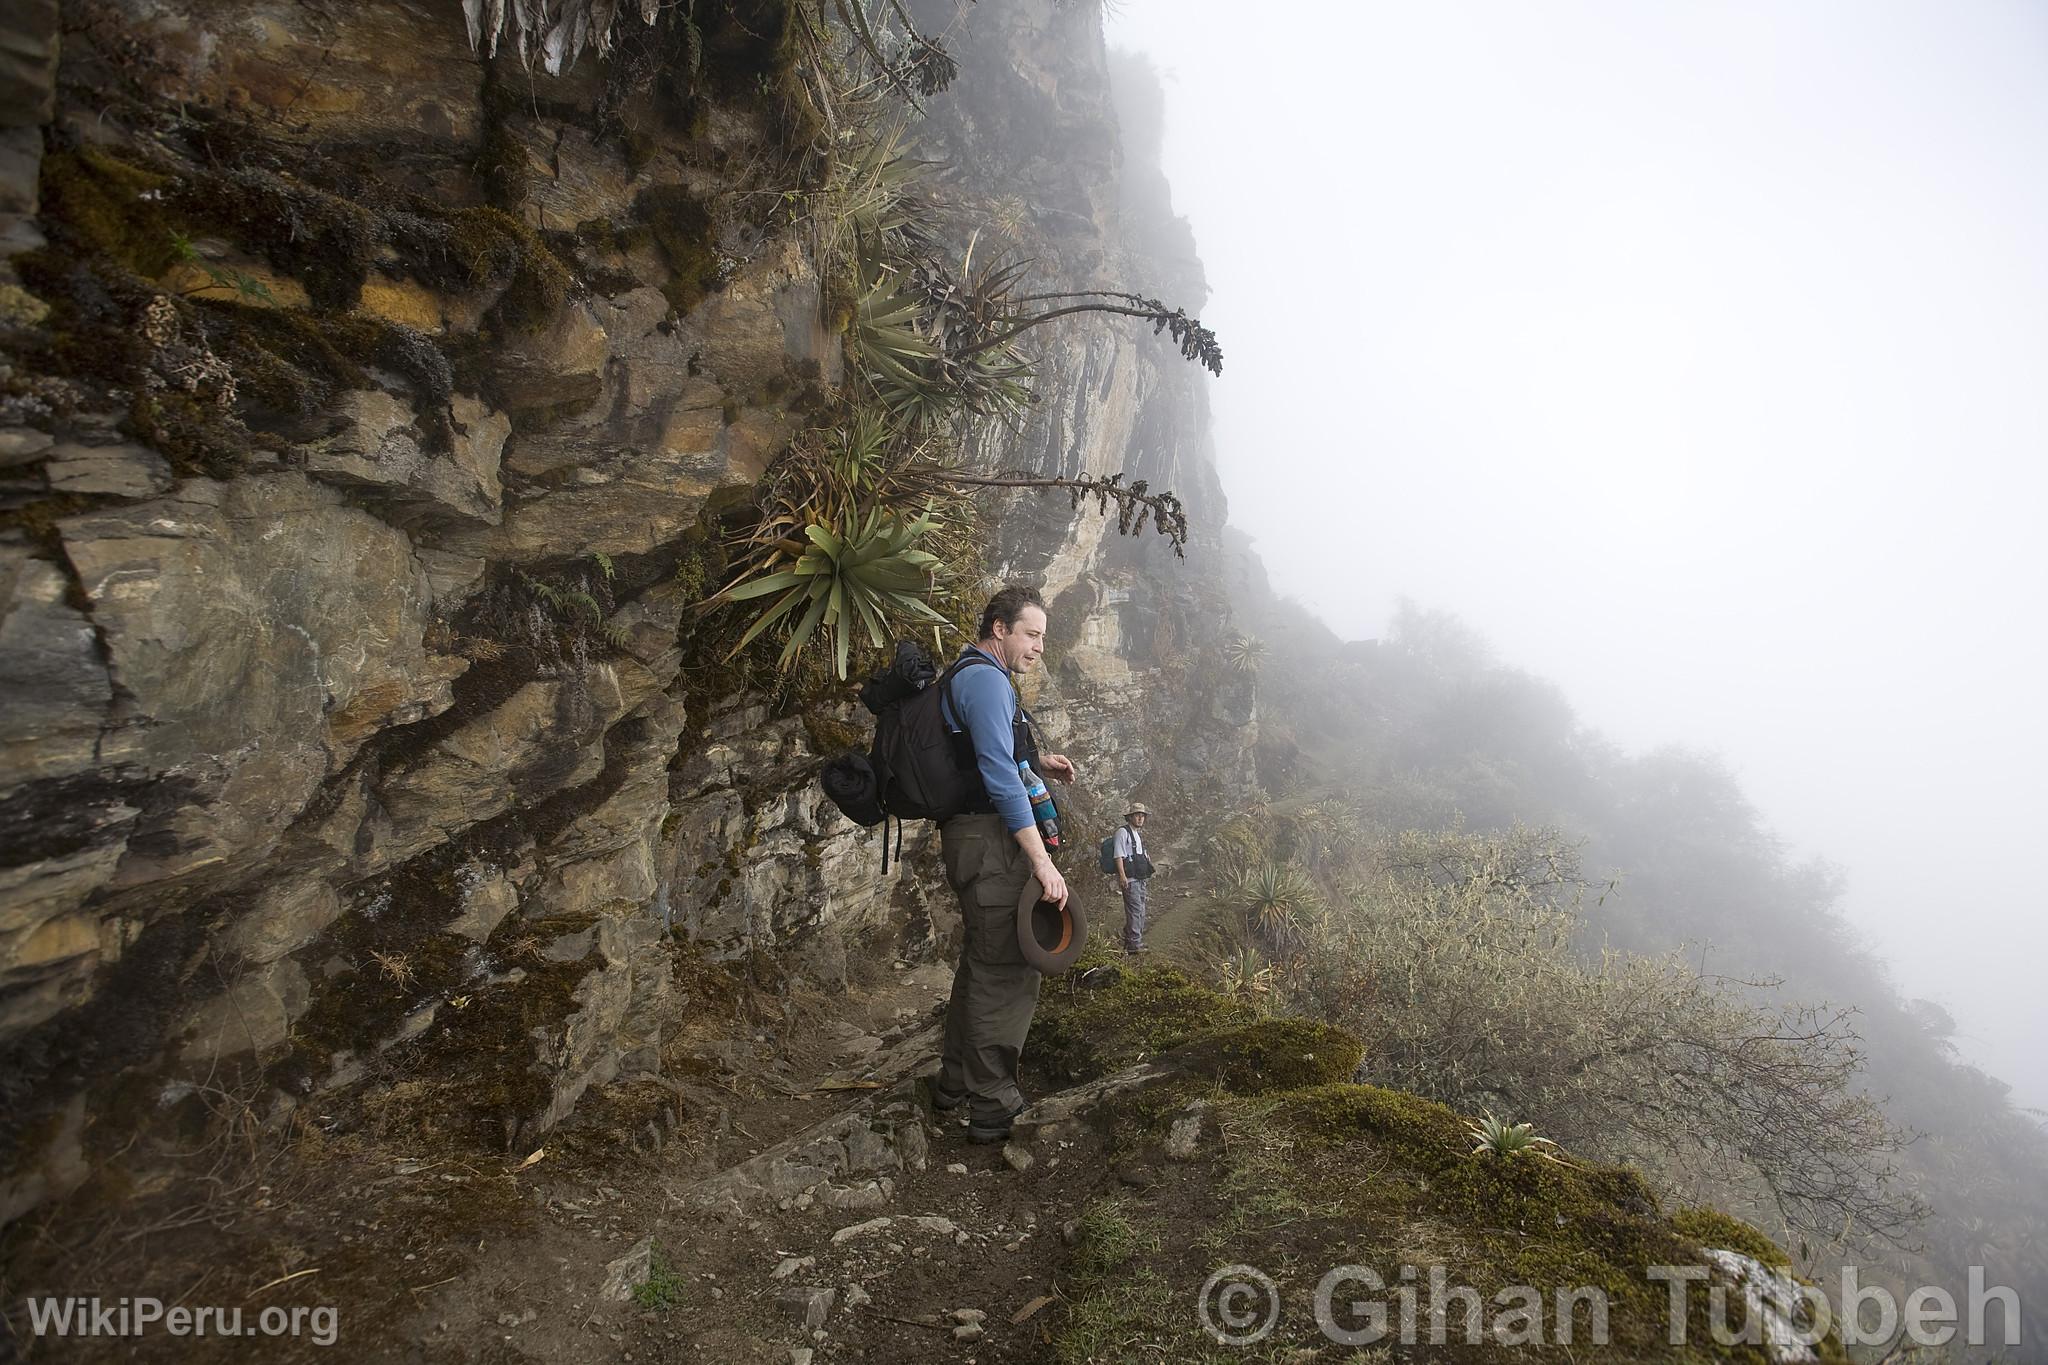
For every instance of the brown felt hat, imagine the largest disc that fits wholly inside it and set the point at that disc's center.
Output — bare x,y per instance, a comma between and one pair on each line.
1051,936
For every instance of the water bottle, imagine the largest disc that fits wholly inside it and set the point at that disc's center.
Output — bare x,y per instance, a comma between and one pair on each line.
1041,805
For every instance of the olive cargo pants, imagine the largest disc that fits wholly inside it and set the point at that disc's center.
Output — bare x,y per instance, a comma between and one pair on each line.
994,989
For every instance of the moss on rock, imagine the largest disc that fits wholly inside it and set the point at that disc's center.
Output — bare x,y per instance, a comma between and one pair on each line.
1713,1228
494,250
107,205
502,163
325,241
1352,1174
680,226
679,223
209,382
1275,1054
830,735
1094,1032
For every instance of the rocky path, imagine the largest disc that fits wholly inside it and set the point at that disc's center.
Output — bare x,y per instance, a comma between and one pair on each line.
811,1210
783,1188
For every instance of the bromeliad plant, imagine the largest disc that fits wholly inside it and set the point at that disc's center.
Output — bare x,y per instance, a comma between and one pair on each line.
852,541
1276,899
856,525
873,574
898,360
1497,1138
1245,974
933,340
1244,653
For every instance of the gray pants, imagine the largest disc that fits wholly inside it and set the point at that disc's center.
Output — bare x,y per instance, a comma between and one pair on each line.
994,989
1134,915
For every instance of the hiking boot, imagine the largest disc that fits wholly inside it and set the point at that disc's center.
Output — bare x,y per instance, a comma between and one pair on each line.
993,1130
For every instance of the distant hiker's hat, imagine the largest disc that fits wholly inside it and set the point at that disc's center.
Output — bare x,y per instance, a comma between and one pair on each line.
1137,808
1051,936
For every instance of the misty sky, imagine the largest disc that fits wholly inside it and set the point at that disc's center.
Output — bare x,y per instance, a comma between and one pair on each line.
1698,357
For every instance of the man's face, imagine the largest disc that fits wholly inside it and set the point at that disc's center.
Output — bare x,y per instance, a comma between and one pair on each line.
1138,820
1020,645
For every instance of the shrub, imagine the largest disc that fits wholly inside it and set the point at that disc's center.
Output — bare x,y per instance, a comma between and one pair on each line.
1456,966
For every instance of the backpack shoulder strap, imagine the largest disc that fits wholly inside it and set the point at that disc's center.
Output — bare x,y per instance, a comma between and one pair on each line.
946,680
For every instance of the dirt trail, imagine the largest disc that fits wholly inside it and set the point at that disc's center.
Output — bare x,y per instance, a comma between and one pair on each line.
790,1118
703,1287
794,1216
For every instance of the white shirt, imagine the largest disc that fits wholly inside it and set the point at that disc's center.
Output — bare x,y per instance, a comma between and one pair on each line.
1129,843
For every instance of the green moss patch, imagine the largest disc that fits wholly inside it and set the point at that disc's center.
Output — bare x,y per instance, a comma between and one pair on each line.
494,250
1525,1191
1310,1172
664,1287
327,242
209,383
501,161
1274,1054
830,735
1334,1175
98,201
104,206
678,224
1087,1033
1713,1228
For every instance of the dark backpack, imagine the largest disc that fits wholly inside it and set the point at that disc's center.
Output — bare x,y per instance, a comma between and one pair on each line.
925,769
918,768
1137,865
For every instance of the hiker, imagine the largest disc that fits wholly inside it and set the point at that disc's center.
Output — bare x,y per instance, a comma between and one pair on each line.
990,853
1133,870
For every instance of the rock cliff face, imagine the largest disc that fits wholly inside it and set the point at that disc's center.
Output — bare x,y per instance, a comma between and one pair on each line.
368,408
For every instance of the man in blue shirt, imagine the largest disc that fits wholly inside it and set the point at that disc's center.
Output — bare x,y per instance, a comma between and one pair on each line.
989,855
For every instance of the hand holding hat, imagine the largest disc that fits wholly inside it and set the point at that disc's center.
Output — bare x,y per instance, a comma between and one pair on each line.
1051,935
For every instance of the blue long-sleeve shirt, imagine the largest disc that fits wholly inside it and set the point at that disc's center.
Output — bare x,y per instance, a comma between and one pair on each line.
988,704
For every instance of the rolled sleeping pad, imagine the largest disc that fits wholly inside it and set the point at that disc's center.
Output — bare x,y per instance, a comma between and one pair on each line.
849,780
1051,936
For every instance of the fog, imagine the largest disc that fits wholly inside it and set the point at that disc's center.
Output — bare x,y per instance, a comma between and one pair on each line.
1698,358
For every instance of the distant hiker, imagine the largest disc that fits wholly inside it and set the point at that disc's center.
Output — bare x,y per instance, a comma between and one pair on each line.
1133,870
990,854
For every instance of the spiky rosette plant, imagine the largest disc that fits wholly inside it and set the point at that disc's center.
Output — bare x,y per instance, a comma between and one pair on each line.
1244,653
897,358
1500,1139
552,34
959,348
1275,898
854,531
1010,215
1244,973
870,575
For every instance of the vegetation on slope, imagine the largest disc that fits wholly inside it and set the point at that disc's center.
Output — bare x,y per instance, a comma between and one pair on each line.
1298,1169
1699,1006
